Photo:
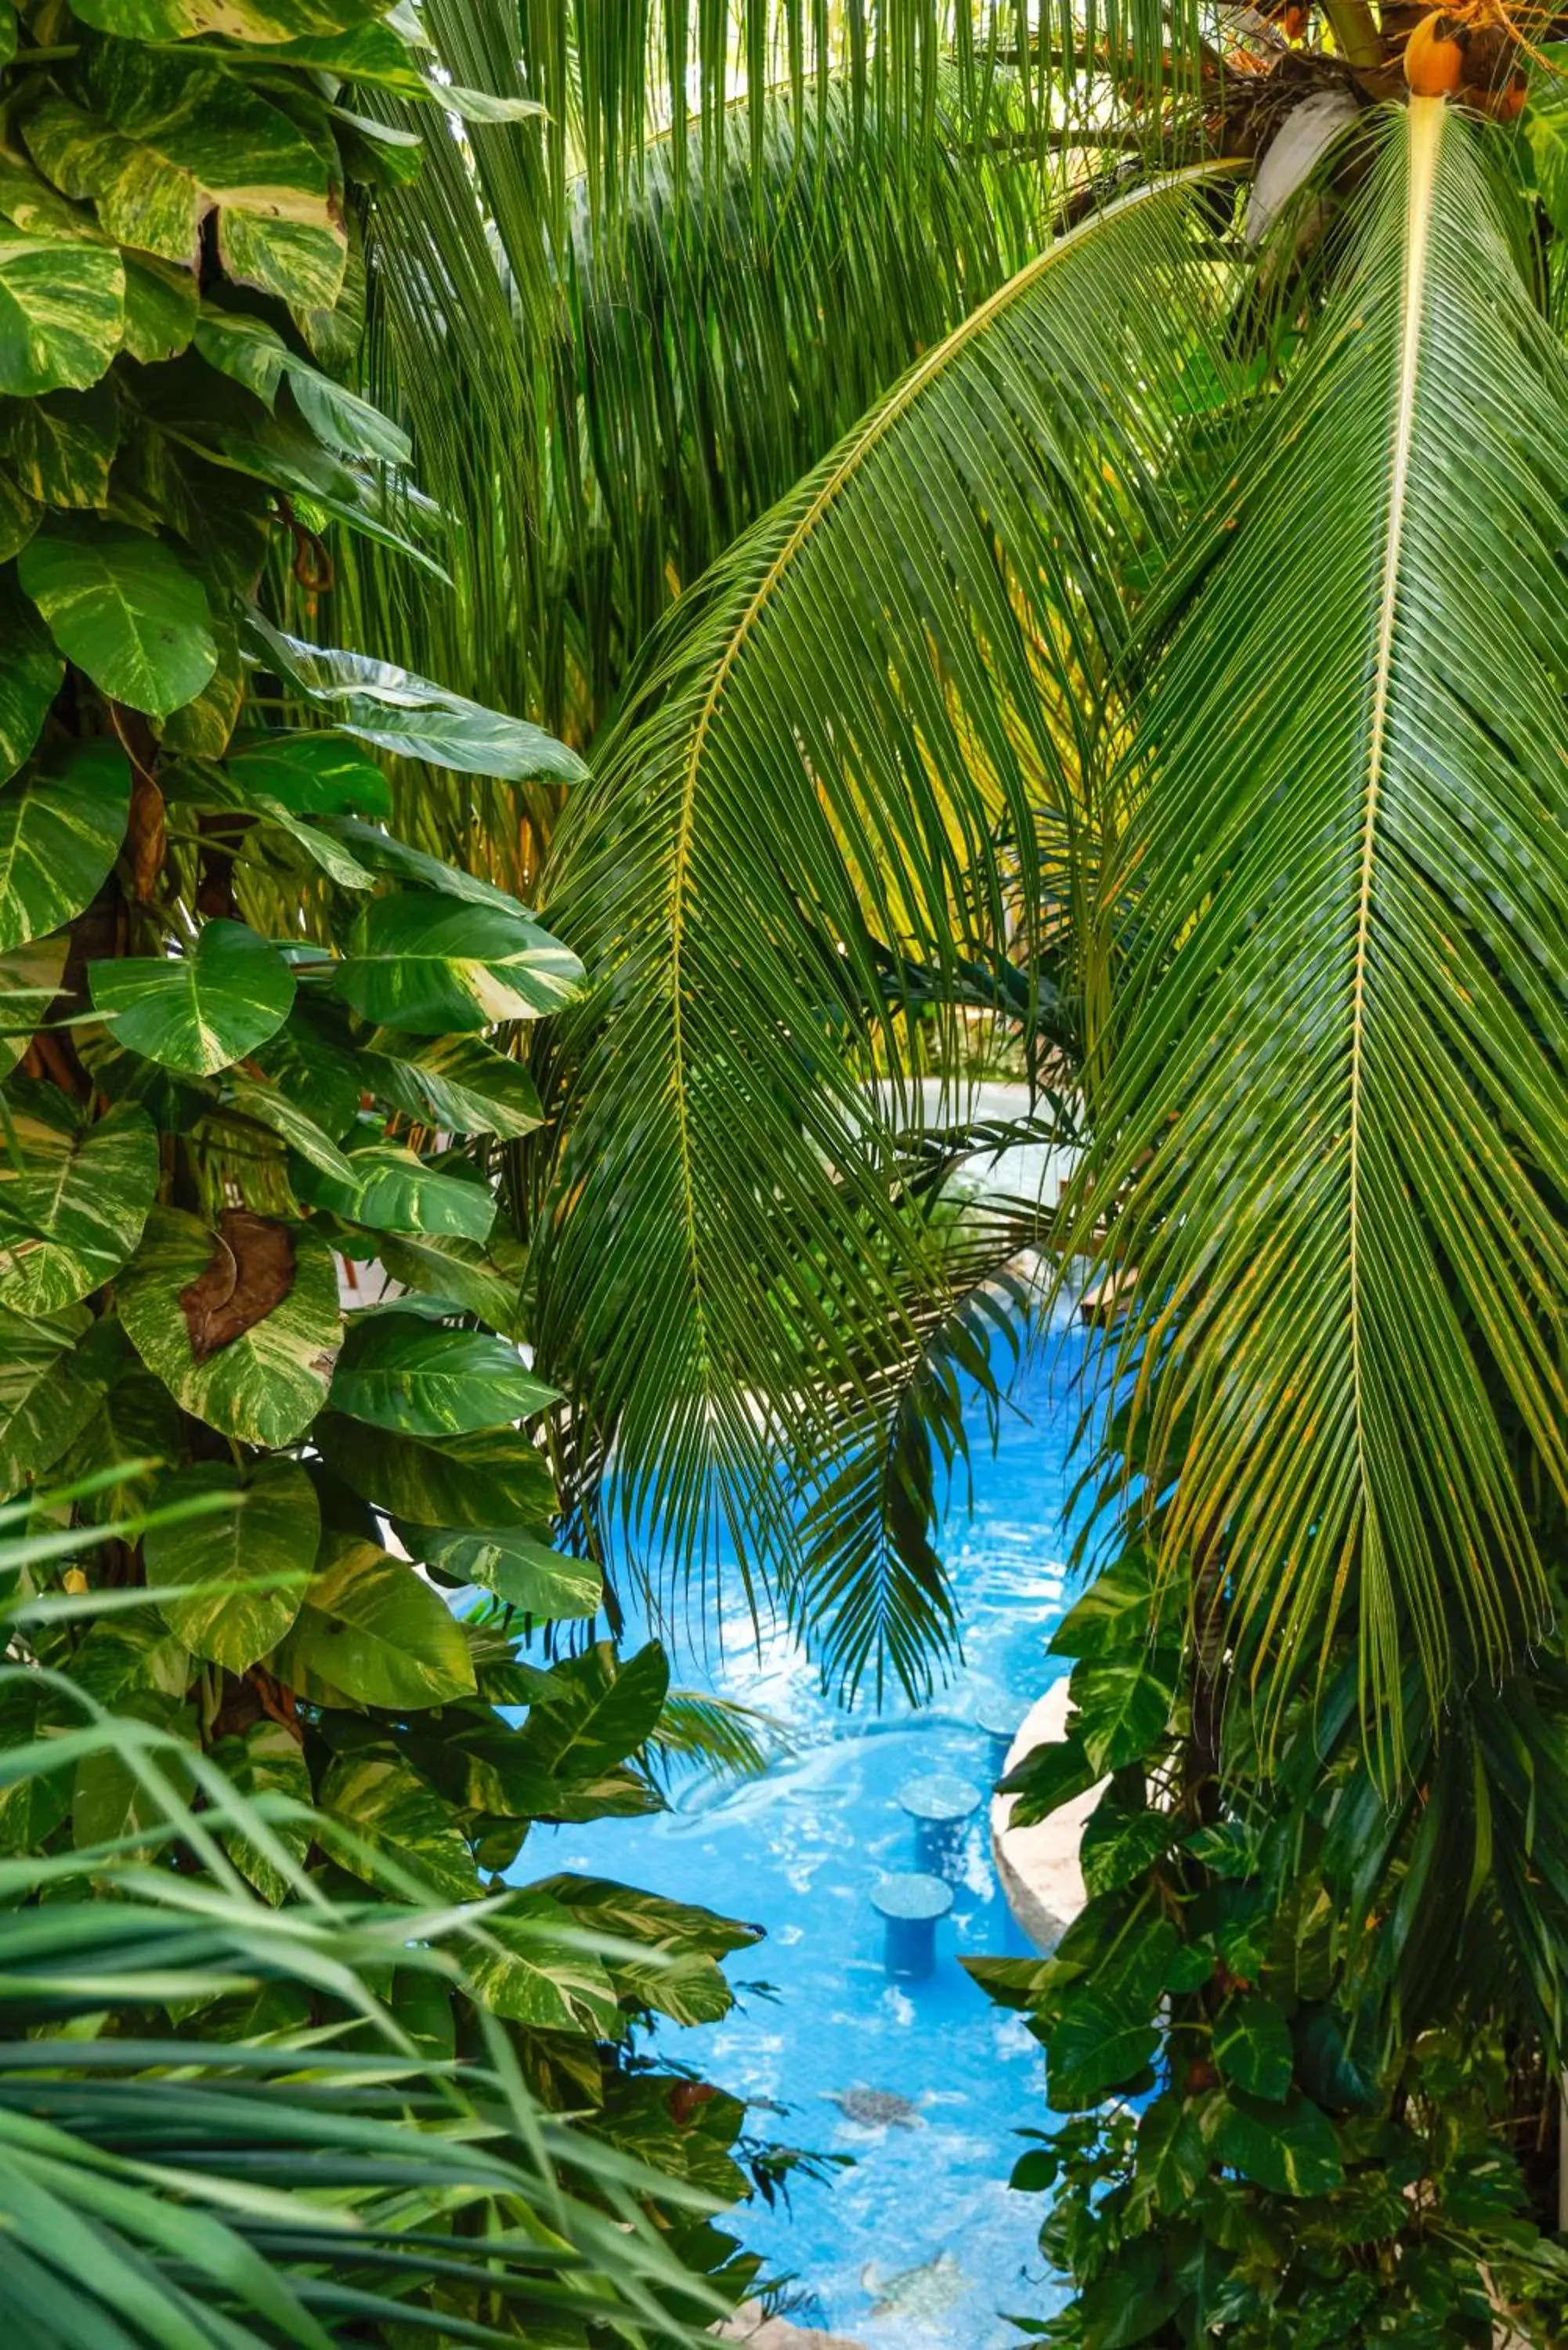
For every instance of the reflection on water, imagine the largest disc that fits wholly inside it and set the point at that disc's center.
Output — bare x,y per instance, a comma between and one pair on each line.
920,2245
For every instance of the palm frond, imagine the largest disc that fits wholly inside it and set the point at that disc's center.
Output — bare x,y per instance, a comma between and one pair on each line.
716,1733
210,2185
846,747
1337,1102
605,398
870,1593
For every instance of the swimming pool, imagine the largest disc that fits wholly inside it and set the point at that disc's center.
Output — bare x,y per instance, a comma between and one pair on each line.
921,2246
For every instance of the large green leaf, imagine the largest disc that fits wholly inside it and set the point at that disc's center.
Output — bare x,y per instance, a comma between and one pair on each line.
30,674
199,1011
242,20
267,1760
136,1423
266,1385
407,715
124,608
160,306
496,1477
596,1710
163,140
1114,1615
1252,2046
370,1631
436,967
1341,1071
62,312
273,1107
255,355
399,1371
275,1529
457,1082
62,448
74,1196
1050,1774
60,831
1124,1704
382,854
54,1374
384,1805
517,1566
392,1190
484,1282
680,1978
540,1974
30,979
1120,1841
310,774
1290,2148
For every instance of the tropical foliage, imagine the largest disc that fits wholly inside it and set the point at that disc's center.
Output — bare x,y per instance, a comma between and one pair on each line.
1163,674
185,2164
1300,2040
263,1783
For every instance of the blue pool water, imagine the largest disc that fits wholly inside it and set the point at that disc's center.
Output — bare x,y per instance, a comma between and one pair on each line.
799,1852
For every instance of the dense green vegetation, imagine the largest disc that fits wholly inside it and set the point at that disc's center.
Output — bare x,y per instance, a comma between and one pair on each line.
1030,576
1161,685
260,1785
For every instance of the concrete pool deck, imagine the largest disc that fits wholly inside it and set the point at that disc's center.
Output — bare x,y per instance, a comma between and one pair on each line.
1038,1866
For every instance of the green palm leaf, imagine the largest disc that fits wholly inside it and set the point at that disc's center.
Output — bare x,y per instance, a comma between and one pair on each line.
882,706
1343,1068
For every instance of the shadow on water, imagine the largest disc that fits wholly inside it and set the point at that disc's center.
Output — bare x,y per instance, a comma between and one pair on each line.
919,2246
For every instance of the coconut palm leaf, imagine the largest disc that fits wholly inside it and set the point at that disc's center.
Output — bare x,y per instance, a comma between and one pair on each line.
1338,1088
223,2188
633,384
870,1594
847,743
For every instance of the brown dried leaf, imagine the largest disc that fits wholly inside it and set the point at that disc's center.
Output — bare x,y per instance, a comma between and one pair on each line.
251,1271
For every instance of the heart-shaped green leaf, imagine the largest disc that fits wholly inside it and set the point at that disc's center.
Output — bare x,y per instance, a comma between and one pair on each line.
400,1371
199,1012
74,1196
1289,2149
54,1374
440,967
60,830
386,1808
540,1974
30,674
1252,2046
62,311
274,1529
240,1323
372,1631
460,1083
392,1190
496,1477
270,1106
310,774
518,1567
123,606
416,719
30,979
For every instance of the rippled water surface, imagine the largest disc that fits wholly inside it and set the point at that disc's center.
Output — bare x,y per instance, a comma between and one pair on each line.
799,1852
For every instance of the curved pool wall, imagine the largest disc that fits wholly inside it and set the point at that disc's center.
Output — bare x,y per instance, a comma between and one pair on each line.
921,2243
